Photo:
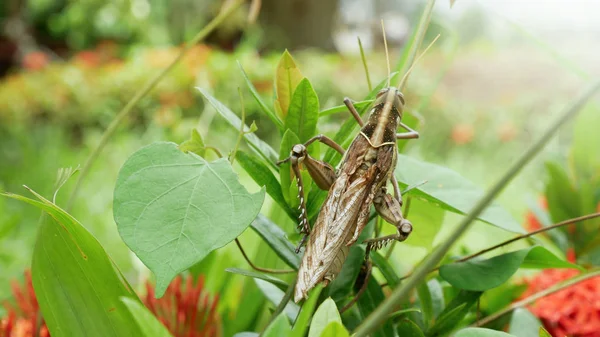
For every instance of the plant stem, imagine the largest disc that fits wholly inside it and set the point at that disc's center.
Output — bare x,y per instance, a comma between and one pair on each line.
261,269
127,109
537,296
399,294
241,134
284,301
364,62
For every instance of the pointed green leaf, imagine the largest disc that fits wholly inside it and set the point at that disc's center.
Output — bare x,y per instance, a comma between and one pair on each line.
146,321
254,274
408,328
195,144
279,328
275,295
287,77
325,314
386,269
425,302
172,208
524,324
263,106
303,113
450,191
343,108
335,329
306,313
263,176
72,274
563,199
263,149
276,239
481,332
454,312
544,333
480,275
286,175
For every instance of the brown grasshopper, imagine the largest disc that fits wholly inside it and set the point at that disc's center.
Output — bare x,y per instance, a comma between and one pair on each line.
359,183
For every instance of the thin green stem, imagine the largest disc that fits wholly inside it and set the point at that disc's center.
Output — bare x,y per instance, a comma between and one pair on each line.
284,301
399,294
127,109
241,134
364,62
529,300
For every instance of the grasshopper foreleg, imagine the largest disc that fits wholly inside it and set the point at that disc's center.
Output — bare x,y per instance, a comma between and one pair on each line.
390,210
411,134
322,173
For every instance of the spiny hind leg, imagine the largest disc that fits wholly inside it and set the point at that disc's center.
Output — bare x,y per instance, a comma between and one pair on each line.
390,210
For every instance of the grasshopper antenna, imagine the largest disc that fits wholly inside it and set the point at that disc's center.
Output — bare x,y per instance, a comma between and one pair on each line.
387,54
412,66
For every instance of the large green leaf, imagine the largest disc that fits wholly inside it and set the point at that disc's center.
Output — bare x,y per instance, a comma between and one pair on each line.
279,328
325,314
427,220
272,116
172,208
262,148
146,321
481,332
303,113
335,329
263,176
524,324
481,275
78,288
275,237
450,191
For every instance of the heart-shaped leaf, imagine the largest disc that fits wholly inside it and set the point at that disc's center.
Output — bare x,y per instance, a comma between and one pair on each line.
172,208
450,191
481,275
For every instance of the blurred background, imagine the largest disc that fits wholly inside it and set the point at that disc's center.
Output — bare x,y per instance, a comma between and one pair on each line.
500,71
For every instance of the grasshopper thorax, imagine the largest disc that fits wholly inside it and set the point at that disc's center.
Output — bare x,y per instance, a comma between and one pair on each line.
384,117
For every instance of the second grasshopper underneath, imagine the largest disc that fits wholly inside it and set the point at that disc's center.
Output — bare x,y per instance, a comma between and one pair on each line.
359,182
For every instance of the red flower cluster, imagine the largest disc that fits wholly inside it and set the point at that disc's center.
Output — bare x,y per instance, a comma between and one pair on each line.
531,222
24,319
573,311
187,311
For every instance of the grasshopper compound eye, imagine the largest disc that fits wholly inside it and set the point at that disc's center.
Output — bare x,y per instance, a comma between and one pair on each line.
298,150
382,92
406,227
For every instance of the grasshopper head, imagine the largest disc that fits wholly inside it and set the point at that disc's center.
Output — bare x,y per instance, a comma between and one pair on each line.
397,99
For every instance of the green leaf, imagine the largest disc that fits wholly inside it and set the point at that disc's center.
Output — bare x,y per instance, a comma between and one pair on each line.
286,175
279,328
195,144
450,191
408,328
426,303
276,239
246,334
403,312
325,314
287,77
72,274
146,321
369,301
524,324
343,108
254,274
544,333
335,329
303,113
386,269
480,275
563,199
585,141
263,176
437,296
262,148
454,312
306,313
275,295
172,208
481,332
278,123
428,219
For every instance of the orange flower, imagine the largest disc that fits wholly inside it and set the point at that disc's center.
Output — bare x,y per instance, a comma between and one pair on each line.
531,221
35,60
462,134
187,311
507,132
24,319
573,311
